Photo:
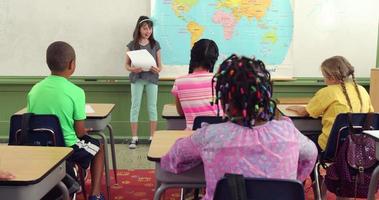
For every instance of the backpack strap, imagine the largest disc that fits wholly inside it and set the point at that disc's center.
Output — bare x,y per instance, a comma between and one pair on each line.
237,187
350,123
25,128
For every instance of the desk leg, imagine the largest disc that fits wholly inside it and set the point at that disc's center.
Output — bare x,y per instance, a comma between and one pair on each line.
63,188
106,161
113,151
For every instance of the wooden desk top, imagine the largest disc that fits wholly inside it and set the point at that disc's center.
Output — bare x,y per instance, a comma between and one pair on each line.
101,110
30,164
169,112
163,141
289,113
293,100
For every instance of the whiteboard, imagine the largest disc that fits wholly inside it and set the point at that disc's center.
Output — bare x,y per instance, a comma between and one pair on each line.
99,31
324,28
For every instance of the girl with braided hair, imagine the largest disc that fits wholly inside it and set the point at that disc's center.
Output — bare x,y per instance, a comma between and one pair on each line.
342,94
251,142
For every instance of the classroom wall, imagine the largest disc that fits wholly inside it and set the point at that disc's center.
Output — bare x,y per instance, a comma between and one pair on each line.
13,91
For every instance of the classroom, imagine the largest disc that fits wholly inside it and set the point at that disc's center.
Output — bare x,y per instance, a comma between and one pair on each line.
291,37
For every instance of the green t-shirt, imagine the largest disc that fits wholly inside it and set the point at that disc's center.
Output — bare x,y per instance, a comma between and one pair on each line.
57,95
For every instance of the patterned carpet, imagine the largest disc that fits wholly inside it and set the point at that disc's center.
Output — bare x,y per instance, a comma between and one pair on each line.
140,185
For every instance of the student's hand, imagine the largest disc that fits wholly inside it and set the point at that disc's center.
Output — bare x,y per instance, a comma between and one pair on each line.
136,70
300,110
6,175
155,70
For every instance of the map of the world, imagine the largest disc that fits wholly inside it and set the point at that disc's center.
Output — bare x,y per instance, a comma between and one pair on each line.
260,28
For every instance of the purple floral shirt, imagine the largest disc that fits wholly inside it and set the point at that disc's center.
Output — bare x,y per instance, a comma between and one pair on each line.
275,149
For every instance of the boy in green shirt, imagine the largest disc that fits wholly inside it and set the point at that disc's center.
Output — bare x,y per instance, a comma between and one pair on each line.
57,95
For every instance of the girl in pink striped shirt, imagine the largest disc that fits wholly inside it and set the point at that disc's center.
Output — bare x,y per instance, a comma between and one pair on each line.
193,92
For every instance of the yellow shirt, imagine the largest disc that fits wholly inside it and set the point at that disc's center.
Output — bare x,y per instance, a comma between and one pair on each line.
330,101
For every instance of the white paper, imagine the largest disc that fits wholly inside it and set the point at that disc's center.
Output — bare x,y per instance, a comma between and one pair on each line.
89,109
142,58
373,133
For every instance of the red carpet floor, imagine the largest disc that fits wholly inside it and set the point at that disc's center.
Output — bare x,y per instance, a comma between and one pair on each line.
139,185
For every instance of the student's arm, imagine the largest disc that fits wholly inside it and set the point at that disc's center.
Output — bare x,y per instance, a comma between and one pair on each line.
159,63
182,156
175,93
307,157
4,175
300,110
179,107
128,64
80,128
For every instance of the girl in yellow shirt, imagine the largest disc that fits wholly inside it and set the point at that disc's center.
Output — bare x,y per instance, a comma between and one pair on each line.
341,95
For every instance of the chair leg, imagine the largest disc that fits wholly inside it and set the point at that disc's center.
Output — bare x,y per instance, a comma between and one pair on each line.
64,190
113,151
317,183
159,191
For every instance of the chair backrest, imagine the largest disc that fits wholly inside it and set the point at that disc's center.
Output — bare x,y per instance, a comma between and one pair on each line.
340,131
35,130
207,119
263,189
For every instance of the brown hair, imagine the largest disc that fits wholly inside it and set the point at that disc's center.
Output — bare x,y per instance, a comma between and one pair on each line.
338,68
142,20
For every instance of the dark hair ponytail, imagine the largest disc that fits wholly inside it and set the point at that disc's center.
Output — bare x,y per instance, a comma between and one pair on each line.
204,53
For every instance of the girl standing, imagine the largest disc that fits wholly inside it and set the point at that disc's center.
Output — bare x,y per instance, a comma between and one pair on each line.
143,38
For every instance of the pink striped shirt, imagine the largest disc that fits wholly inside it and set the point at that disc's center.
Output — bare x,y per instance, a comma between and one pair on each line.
194,92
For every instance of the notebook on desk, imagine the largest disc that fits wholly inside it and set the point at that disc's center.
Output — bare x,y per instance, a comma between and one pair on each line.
289,113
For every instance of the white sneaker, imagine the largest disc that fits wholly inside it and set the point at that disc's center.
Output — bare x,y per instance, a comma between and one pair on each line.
133,143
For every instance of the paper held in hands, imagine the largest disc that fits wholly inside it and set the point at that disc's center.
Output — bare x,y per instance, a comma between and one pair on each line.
142,58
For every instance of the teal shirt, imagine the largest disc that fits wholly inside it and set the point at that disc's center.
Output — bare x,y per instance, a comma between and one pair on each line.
57,95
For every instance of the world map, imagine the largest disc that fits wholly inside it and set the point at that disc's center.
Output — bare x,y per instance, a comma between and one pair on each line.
260,28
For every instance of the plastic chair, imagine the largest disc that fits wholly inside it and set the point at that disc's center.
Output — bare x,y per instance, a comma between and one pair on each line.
338,135
258,188
39,130
207,119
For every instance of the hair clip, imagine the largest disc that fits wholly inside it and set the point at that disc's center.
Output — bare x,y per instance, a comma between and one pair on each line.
253,88
144,20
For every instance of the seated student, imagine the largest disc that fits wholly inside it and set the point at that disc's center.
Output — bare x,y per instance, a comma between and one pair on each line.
341,95
57,95
193,92
251,143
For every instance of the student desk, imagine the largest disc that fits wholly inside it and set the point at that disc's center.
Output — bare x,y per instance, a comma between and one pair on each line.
37,171
174,120
293,100
98,119
160,145
305,124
